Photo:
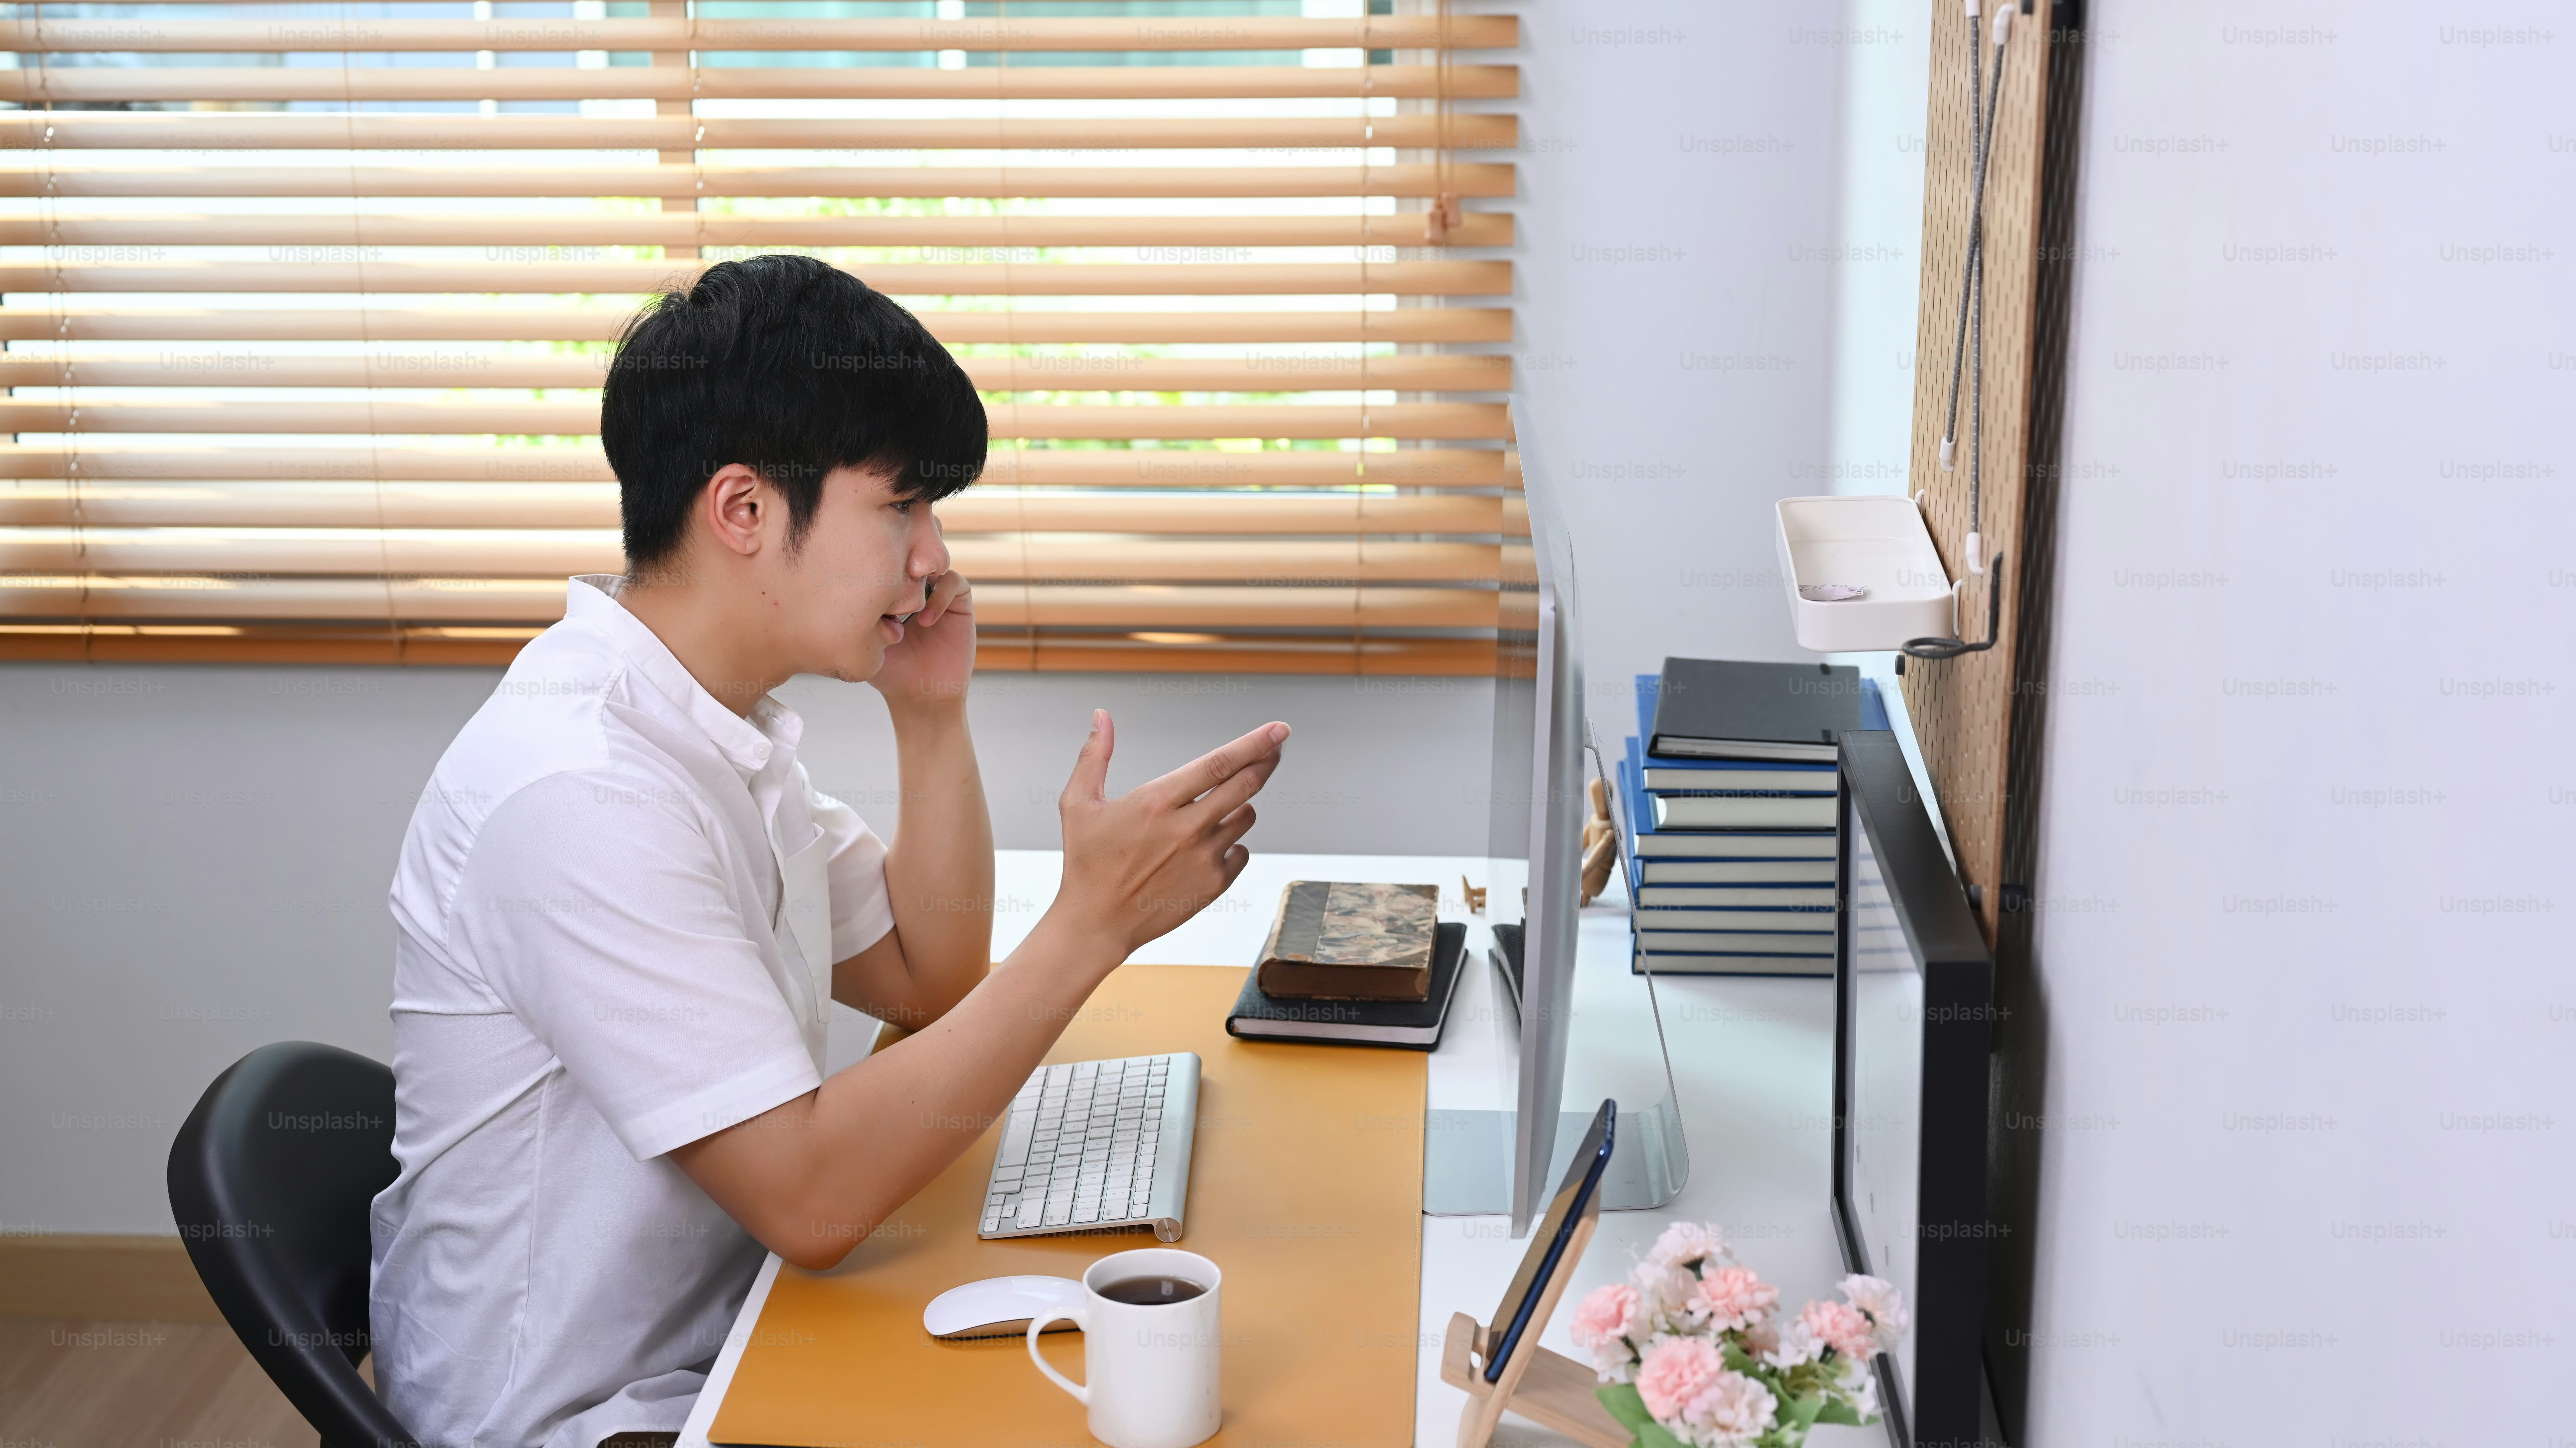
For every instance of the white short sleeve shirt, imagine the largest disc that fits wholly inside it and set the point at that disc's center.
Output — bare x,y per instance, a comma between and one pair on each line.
595,962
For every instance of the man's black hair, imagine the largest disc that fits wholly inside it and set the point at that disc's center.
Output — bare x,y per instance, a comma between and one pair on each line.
791,367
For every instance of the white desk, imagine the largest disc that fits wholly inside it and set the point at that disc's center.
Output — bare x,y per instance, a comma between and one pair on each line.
1752,1059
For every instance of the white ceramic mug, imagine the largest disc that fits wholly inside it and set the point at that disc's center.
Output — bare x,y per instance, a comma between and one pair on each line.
1152,1367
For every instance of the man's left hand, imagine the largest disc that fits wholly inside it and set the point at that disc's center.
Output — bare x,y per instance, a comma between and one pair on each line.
936,655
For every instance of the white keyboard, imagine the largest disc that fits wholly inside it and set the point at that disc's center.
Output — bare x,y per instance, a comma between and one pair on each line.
1091,1146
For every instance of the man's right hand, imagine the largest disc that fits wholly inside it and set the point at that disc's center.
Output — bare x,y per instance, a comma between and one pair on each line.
1137,865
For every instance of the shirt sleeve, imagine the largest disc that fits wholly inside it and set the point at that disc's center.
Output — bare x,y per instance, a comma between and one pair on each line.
862,911
599,913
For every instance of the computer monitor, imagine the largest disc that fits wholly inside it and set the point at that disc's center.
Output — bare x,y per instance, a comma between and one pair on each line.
1913,1012
1478,1162
1553,807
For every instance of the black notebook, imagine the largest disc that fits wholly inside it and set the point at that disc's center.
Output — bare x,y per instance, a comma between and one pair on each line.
1723,709
1411,1025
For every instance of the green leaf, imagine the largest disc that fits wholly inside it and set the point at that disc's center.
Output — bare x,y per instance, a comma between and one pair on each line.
1839,1410
1801,1412
1735,1357
1624,1404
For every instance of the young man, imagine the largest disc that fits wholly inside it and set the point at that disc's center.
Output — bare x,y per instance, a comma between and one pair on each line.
621,909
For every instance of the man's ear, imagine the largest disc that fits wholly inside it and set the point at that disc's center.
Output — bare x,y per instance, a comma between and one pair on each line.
736,507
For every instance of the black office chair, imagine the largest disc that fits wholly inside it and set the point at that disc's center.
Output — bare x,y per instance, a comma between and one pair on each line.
271,1180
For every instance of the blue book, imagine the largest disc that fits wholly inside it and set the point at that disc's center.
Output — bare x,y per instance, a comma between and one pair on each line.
1664,776
1645,842
1675,962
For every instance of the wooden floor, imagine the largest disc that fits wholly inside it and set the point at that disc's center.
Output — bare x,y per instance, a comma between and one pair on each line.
138,1385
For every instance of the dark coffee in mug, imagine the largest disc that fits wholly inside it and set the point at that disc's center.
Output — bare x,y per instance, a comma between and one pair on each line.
1151,1291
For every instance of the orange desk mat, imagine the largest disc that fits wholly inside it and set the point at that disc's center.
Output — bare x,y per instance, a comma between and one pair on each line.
1305,1187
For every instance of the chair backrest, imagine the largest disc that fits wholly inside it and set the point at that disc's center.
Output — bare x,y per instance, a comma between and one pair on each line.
271,1179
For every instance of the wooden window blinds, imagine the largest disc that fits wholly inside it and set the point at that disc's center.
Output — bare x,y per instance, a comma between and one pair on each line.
306,306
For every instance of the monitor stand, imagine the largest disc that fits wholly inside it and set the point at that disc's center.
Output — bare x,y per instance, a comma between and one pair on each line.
1467,1160
1467,1155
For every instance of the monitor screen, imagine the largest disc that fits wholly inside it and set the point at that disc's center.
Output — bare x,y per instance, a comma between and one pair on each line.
1536,819
1884,1107
1913,1007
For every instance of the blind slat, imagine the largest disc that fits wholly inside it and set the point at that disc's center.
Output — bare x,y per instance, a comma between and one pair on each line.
563,419
1148,468
357,131
594,505
157,35
1343,650
1418,278
540,601
554,230
79,321
93,84
49,177
1218,606
258,554
403,368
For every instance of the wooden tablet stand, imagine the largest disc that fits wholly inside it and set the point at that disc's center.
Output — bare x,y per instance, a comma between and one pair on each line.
1548,1388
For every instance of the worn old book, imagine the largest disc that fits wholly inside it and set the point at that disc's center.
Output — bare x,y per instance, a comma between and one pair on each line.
1337,941
1411,1025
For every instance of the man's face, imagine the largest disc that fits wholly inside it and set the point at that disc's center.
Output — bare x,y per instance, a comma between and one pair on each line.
864,566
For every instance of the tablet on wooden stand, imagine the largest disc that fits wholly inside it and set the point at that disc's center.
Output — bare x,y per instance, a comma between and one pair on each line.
1500,1364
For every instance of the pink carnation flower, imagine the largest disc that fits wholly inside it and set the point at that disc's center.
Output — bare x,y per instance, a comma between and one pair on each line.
1885,1305
1684,1243
1607,1314
1733,1297
1675,1373
1842,1327
1662,1288
1797,1343
1761,1337
1731,1409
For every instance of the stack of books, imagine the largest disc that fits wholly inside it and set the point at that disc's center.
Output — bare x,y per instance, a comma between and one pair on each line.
1728,789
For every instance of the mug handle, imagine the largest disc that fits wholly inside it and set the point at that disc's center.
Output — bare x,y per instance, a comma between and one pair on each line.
1038,1324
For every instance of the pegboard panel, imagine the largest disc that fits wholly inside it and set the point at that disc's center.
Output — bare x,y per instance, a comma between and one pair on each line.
1963,707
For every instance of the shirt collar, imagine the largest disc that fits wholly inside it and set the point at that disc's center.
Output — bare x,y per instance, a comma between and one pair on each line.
590,599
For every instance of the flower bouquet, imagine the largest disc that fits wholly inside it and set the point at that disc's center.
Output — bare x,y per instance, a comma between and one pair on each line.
1690,1355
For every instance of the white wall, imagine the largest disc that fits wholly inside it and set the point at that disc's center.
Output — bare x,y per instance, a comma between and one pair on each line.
1885,84
2306,1164
1677,237
193,860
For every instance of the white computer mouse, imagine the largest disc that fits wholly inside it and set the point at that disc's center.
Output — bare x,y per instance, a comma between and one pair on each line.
997,1306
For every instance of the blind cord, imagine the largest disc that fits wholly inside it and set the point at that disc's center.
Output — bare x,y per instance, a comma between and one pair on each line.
366,338
49,206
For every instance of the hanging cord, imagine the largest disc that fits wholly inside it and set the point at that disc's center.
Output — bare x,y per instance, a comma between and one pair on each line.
1976,211
1969,353
1976,548
1981,143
